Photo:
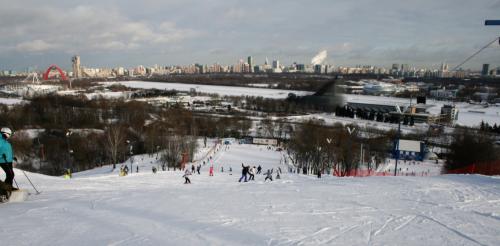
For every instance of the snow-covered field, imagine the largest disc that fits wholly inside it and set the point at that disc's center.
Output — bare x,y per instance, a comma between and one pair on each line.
101,208
212,89
469,115
11,101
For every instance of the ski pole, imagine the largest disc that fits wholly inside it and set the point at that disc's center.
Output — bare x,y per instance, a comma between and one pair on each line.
37,192
16,184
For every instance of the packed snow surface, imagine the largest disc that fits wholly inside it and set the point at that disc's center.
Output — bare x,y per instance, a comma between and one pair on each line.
100,208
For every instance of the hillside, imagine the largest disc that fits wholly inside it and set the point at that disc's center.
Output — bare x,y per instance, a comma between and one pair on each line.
100,208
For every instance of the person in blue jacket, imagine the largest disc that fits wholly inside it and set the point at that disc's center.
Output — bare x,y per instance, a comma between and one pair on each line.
6,155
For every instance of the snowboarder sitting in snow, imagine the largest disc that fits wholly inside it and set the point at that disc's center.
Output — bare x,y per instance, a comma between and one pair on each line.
154,169
186,176
269,175
6,156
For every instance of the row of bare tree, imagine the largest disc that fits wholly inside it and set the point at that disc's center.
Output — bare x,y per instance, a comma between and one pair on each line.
315,147
59,132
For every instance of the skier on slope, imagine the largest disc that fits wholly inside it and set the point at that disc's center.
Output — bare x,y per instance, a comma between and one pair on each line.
6,156
251,171
269,175
244,172
186,176
259,169
211,172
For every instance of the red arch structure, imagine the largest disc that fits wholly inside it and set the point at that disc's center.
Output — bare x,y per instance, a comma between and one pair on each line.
46,74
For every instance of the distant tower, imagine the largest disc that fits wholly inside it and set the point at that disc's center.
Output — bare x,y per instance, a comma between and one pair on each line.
77,72
444,67
276,64
486,70
250,63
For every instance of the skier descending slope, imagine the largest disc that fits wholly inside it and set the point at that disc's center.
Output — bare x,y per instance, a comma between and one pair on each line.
186,176
251,171
244,172
269,175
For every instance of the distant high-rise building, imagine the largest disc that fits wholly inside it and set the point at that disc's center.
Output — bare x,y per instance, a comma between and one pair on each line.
405,67
444,67
318,69
301,67
276,64
395,67
266,62
486,70
77,70
250,63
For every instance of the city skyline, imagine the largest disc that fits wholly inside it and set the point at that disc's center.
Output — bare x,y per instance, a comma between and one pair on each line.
123,33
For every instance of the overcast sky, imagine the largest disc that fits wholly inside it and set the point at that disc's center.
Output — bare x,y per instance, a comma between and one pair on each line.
112,33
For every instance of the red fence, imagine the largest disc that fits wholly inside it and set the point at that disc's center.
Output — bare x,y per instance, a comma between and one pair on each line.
485,168
367,173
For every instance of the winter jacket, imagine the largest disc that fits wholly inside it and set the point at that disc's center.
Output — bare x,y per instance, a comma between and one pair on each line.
244,171
187,173
269,173
5,150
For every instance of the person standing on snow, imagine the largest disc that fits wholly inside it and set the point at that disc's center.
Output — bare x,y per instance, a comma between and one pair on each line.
269,175
259,169
198,169
211,172
251,171
244,172
6,156
186,176
192,168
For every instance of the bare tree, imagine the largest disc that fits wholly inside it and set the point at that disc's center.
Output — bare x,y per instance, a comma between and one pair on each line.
115,136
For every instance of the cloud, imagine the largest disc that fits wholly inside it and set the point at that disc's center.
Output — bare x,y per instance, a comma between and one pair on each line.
85,29
34,46
206,31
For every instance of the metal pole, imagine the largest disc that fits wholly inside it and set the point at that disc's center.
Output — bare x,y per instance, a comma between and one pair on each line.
37,192
361,154
397,147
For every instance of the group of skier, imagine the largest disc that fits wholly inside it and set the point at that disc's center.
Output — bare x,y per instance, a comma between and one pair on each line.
250,172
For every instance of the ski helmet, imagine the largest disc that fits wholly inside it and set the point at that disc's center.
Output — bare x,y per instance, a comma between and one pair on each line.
6,131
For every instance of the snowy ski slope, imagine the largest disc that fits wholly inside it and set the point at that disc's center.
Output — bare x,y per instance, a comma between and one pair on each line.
100,208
